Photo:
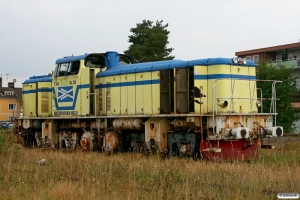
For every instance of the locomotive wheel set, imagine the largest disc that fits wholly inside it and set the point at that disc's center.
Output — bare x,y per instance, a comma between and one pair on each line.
101,101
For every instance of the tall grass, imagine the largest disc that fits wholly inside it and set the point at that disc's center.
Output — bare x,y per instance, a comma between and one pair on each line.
80,175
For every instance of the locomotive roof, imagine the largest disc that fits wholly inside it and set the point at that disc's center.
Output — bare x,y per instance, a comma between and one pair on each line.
168,64
81,57
141,67
42,78
70,58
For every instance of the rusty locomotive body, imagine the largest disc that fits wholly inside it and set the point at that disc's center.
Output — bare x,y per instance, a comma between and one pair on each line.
102,101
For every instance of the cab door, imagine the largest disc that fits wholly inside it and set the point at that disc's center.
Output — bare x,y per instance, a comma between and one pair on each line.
182,85
166,82
66,86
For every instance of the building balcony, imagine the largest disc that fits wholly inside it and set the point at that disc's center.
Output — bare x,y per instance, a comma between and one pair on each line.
290,63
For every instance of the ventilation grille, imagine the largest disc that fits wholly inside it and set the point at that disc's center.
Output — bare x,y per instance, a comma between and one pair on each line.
44,101
100,97
108,96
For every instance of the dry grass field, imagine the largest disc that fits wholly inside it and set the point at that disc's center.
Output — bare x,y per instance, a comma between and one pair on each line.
81,175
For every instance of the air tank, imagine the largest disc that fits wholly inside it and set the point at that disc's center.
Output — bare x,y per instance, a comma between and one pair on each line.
128,124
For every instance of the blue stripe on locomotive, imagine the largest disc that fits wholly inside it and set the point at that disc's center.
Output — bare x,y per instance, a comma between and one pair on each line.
130,83
35,79
39,90
220,76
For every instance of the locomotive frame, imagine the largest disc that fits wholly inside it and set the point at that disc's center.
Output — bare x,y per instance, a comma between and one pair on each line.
101,101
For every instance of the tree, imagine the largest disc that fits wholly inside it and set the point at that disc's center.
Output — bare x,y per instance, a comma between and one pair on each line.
285,91
149,42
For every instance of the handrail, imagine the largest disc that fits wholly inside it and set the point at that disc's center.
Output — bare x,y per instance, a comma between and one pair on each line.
274,98
231,98
215,98
285,60
213,109
201,92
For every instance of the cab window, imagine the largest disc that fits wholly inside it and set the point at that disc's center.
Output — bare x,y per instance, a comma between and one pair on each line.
63,69
95,61
124,60
74,69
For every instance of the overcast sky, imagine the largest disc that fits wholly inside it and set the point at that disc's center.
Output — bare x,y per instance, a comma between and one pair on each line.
35,33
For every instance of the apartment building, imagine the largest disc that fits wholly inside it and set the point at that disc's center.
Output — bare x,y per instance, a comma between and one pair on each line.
10,101
288,54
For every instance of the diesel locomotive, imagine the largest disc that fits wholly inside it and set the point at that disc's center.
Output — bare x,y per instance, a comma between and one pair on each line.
103,101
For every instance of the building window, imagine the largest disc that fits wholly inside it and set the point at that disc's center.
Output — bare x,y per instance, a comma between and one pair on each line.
12,106
298,83
248,57
9,93
256,59
283,57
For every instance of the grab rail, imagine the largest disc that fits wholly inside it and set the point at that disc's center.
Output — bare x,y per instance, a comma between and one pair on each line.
215,98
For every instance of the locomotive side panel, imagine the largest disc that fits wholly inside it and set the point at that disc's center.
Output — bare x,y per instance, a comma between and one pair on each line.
228,89
115,94
44,99
245,89
29,98
139,95
200,82
147,86
83,91
222,90
131,94
155,94
124,94
253,87
101,90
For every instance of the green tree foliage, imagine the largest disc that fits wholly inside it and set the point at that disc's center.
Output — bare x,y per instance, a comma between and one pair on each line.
284,91
149,42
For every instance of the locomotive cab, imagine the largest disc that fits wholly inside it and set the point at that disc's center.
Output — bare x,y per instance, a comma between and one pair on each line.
73,82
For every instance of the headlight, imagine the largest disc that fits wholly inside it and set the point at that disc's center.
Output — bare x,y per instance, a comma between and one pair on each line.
239,60
258,103
235,59
222,104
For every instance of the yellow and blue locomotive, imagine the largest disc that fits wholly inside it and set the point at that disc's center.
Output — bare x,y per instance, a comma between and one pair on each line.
102,101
